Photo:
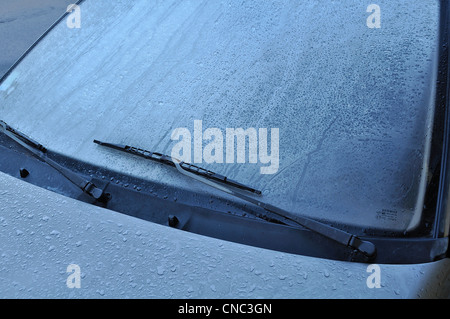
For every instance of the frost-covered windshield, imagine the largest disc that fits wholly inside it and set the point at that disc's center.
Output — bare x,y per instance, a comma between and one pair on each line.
325,106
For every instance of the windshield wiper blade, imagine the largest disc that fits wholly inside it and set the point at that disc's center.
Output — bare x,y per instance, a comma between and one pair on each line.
38,150
168,160
366,248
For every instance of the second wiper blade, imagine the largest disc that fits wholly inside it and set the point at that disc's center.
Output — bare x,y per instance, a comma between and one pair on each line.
366,248
168,160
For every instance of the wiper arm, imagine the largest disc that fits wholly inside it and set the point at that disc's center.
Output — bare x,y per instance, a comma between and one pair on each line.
168,160
366,248
87,186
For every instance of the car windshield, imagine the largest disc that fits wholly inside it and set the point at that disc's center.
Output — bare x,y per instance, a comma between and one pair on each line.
325,106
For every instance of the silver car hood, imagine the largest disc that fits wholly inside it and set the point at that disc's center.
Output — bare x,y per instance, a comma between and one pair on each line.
42,233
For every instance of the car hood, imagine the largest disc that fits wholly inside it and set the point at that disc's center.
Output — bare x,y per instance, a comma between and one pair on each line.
42,233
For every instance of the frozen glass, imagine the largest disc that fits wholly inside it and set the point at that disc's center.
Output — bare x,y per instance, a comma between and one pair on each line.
354,105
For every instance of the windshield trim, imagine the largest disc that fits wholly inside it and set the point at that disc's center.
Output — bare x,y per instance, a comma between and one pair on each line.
441,227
